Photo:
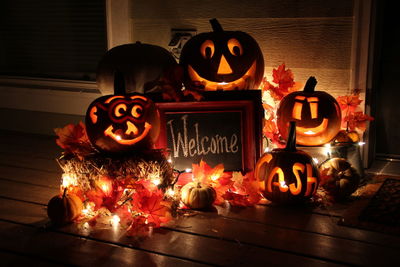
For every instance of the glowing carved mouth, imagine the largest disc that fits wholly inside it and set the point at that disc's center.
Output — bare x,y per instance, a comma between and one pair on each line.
313,131
109,132
213,86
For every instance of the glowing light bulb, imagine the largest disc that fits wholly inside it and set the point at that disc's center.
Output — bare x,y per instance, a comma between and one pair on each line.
283,184
115,220
188,170
315,160
170,192
361,143
68,180
328,149
214,177
156,181
169,160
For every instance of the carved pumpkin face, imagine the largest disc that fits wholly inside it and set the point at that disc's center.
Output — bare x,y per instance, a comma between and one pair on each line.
287,175
316,113
222,60
119,123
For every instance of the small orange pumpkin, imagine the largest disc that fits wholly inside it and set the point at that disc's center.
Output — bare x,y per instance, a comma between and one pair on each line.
196,196
65,208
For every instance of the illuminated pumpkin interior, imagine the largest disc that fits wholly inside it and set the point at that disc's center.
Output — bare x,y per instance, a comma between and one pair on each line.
287,174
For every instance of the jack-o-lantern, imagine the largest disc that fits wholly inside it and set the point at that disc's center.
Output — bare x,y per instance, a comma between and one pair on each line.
287,175
222,60
145,67
316,113
122,122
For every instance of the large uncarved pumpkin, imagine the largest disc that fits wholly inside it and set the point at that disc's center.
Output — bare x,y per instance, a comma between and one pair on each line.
145,68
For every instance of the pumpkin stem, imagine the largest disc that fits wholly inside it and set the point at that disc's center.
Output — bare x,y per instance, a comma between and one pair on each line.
216,26
65,193
310,85
119,83
291,141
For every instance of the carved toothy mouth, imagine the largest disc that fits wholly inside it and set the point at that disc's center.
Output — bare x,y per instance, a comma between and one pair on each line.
131,129
314,130
213,86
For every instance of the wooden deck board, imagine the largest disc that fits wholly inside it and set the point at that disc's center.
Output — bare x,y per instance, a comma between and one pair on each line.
297,218
255,236
163,241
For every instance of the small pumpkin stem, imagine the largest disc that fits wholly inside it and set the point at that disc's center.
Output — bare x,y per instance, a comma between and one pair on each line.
119,83
216,26
291,141
310,85
65,193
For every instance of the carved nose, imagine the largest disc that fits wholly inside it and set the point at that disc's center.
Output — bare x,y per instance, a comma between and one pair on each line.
224,67
131,128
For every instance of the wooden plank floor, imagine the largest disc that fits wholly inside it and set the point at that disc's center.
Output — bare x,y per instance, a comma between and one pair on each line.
257,236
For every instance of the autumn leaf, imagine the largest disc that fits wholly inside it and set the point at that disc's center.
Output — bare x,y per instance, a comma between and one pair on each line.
349,103
205,174
139,227
357,120
156,210
245,190
73,139
283,77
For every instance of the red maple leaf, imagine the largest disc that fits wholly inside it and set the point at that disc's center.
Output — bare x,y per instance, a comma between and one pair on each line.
245,191
283,77
73,139
271,131
357,120
349,103
205,174
156,210
139,227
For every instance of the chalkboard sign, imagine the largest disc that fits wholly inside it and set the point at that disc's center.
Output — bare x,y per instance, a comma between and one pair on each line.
215,131
190,138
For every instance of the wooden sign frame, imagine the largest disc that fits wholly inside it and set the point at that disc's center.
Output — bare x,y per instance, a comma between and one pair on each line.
246,103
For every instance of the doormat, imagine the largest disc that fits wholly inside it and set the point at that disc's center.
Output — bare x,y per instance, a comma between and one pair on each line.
380,213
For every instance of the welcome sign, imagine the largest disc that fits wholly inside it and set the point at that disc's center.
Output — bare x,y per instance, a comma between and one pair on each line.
195,136
227,132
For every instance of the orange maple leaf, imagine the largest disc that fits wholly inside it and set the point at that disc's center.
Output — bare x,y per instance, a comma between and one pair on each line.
349,103
205,174
73,139
283,77
157,211
139,227
357,120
